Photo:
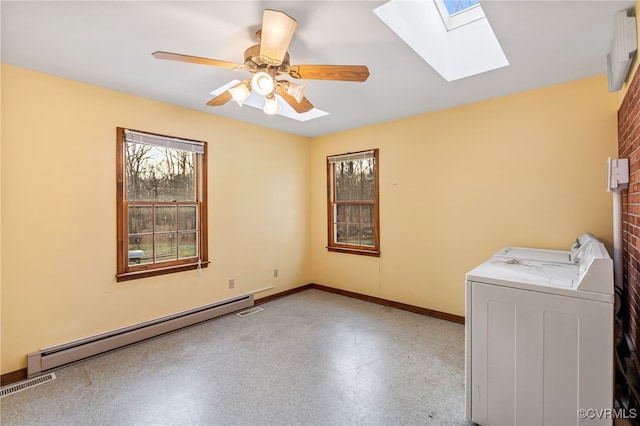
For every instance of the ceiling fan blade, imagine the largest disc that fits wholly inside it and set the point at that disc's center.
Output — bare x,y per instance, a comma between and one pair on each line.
299,107
330,72
276,34
197,60
221,99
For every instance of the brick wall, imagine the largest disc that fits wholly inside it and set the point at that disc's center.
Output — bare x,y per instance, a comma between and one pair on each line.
629,147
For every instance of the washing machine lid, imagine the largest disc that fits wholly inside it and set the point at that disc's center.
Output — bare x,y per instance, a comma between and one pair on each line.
545,277
574,255
539,255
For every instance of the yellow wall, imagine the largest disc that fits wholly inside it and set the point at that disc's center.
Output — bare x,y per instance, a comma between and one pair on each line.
1,173
59,216
457,185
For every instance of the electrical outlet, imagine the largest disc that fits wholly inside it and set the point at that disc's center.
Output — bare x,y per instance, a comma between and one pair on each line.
275,273
232,283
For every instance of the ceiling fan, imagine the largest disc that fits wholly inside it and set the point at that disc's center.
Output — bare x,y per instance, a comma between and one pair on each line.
267,61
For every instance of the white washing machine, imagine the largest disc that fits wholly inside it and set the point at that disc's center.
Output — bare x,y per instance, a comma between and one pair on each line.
539,340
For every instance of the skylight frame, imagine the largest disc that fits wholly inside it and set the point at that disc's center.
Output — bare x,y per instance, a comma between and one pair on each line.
469,50
458,19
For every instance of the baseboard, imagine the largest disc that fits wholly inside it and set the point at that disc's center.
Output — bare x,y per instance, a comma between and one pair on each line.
13,376
377,300
403,306
282,294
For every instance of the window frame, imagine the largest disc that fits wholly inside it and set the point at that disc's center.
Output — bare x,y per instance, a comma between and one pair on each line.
125,271
334,246
462,17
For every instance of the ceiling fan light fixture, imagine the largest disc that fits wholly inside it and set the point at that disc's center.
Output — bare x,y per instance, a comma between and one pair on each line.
240,93
296,90
262,83
271,105
276,34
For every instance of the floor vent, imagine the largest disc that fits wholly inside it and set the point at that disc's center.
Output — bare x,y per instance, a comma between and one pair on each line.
250,311
17,387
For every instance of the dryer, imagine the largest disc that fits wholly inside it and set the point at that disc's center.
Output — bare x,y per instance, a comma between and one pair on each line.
539,339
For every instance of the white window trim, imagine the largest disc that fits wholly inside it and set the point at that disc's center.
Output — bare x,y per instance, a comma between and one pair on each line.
461,18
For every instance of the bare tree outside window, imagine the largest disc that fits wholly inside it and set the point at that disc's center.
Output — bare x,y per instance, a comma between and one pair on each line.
159,174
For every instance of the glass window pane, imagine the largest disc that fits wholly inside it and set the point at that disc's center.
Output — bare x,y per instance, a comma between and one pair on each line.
368,180
181,184
187,218
341,213
353,234
344,180
159,174
367,235
166,247
140,219
456,6
355,180
353,214
166,218
341,231
187,245
140,249
366,213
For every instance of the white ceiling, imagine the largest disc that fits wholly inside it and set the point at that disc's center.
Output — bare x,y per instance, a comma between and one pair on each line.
109,44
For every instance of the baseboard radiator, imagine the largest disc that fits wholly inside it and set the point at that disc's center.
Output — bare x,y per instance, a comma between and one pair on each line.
57,356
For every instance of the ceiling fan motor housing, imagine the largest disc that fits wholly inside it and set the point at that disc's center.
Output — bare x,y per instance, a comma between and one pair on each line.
254,62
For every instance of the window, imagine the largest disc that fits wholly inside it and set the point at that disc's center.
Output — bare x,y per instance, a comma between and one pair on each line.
456,13
162,204
457,6
353,203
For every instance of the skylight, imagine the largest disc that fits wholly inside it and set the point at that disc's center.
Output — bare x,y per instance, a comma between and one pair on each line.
456,13
457,6
453,36
256,101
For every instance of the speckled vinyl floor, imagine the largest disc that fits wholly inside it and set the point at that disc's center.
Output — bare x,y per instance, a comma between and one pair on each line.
312,358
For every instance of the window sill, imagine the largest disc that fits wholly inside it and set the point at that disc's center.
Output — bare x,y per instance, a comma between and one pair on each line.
373,253
127,276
